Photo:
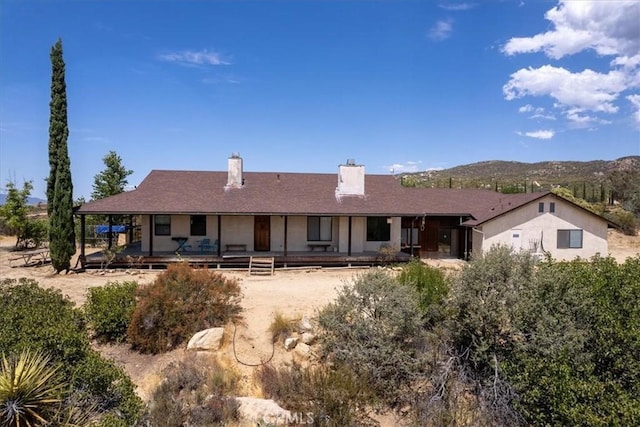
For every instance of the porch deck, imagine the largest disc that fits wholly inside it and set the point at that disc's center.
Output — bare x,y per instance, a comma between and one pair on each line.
133,257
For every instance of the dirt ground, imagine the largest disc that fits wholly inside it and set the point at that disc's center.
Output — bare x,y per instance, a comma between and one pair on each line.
293,293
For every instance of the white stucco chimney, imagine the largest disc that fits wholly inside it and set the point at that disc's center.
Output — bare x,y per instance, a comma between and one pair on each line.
350,179
234,177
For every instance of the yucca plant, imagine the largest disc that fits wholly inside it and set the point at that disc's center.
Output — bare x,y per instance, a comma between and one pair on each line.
30,389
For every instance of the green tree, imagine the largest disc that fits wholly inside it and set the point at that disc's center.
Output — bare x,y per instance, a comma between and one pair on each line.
112,180
59,185
15,211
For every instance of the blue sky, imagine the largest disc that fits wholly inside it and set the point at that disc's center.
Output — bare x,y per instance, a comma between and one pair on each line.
302,86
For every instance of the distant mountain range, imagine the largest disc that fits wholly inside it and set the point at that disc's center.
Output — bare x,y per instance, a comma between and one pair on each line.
541,174
30,200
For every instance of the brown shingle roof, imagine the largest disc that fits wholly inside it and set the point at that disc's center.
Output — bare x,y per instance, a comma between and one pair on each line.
265,193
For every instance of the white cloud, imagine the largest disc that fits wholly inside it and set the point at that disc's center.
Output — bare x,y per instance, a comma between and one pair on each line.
607,27
543,116
635,100
441,30
538,134
409,166
189,57
586,90
525,109
457,6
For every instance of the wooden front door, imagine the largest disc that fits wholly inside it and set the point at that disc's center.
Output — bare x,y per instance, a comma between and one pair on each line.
262,233
430,236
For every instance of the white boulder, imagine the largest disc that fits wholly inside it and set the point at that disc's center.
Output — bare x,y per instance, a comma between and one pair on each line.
208,339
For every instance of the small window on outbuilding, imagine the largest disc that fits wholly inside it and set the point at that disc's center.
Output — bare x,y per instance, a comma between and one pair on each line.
540,207
569,239
552,207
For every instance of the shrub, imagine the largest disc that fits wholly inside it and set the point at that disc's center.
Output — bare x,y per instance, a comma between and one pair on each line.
109,309
201,385
179,303
431,286
323,396
281,327
42,320
374,328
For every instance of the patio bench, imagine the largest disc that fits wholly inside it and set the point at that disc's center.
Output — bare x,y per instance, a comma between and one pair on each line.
323,246
236,247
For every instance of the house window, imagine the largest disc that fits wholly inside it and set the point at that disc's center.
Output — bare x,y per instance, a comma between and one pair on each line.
319,228
378,229
540,207
552,207
198,225
569,239
162,225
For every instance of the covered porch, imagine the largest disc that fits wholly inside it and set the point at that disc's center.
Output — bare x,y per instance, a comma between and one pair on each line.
132,256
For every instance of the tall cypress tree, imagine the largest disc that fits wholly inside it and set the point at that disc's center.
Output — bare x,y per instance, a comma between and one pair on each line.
62,239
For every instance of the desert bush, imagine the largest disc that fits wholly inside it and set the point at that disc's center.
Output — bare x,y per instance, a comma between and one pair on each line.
374,328
486,301
281,327
430,284
200,384
107,387
42,320
579,364
179,303
554,344
322,395
109,310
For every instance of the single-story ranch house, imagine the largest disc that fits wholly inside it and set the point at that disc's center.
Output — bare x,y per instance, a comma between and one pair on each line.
223,218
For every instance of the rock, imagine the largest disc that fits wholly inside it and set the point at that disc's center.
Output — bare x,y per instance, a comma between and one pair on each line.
305,325
290,343
262,410
308,338
208,339
303,350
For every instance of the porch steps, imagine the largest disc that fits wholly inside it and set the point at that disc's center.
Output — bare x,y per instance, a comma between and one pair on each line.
261,265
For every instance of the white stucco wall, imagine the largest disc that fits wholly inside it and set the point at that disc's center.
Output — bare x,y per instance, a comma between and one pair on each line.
529,224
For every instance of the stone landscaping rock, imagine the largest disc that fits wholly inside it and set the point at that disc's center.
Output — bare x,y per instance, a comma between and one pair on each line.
290,343
308,338
208,339
303,350
305,325
262,410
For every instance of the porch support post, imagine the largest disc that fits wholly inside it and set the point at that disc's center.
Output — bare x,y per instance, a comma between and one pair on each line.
411,238
466,243
285,234
150,234
110,238
349,244
83,236
130,229
219,235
